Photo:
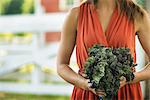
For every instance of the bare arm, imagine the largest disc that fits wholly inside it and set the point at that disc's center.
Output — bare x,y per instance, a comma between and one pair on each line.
67,44
144,38
68,40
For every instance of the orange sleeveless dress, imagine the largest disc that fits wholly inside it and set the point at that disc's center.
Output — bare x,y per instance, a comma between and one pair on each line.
119,33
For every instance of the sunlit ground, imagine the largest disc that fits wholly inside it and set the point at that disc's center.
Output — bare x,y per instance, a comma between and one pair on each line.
13,96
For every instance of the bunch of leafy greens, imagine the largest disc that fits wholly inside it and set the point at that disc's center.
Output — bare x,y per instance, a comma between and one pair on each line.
105,66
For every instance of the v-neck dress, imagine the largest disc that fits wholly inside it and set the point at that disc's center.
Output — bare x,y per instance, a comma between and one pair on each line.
119,33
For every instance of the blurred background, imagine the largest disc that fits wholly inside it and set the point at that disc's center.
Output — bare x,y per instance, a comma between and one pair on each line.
29,40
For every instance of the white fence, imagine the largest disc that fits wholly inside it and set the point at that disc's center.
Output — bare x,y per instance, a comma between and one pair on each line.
35,52
32,23
38,54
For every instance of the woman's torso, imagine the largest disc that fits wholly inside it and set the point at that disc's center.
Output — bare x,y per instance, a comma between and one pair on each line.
120,33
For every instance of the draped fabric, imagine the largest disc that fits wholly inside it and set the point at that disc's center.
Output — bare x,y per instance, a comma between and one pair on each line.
119,33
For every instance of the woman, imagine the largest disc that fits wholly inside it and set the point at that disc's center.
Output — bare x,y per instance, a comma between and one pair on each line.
111,23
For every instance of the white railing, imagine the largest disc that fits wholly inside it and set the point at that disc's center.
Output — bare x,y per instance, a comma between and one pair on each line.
34,52
32,23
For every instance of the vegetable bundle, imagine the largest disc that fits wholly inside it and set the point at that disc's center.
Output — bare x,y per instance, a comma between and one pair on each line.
105,66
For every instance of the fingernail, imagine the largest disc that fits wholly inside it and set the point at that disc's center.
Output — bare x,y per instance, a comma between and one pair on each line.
90,84
88,80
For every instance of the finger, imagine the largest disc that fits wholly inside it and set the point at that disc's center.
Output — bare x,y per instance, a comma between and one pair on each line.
122,83
89,85
97,93
122,78
93,90
84,75
99,90
87,80
101,93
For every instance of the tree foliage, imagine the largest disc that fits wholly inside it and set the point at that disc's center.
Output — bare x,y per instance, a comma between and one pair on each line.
8,7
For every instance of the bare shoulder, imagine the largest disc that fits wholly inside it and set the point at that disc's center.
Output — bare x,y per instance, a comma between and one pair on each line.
70,22
146,18
142,22
74,12
144,31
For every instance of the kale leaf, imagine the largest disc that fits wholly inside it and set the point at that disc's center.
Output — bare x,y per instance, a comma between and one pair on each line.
104,67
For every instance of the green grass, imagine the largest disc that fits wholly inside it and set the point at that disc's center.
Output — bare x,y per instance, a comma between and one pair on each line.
13,96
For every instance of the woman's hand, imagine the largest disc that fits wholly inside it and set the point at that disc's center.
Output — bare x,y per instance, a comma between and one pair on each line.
136,79
123,81
88,85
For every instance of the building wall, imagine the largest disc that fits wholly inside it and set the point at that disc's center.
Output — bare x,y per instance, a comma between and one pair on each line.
52,36
51,6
